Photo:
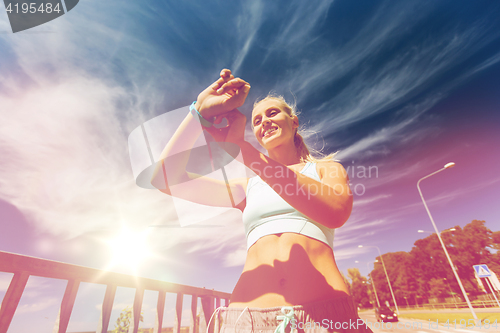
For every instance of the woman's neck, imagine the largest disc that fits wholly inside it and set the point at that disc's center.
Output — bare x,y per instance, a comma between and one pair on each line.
285,154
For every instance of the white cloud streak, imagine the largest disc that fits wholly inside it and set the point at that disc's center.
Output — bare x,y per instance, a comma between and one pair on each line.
247,23
400,77
362,202
63,141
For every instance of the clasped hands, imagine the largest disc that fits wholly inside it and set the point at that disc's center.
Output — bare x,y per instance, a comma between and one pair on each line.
221,100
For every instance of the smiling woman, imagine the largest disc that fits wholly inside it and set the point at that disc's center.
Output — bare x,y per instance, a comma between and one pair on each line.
290,211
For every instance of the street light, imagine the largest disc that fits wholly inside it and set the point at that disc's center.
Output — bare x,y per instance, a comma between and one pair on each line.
442,232
373,282
447,166
386,275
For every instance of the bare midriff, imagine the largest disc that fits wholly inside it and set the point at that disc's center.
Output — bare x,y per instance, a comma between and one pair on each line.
288,269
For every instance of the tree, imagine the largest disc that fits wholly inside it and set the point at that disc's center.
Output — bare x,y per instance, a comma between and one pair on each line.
494,262
425,272
359,287
428,261
466,247
124,320
495,237
438,288
470,246
399,270
347,283
403,278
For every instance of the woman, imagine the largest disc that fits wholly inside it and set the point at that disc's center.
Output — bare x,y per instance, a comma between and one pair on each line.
290,279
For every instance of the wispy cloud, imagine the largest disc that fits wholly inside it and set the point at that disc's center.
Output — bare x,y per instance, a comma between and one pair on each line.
236,257
66,164
356,224
447,196
347,254
399,78
248,23
70,99
296,31
384,137
362,202
37,306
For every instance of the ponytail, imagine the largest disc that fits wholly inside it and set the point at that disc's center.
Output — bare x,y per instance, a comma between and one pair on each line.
302,151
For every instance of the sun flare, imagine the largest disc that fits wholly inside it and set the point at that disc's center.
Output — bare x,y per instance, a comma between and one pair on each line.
129,249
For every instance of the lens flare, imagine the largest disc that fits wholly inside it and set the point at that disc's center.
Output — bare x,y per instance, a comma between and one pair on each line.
129,249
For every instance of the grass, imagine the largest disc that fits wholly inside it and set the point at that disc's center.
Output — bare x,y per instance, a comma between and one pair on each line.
443,317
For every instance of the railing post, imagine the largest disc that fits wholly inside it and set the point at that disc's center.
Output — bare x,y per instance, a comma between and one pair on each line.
24,266
66,306
160,308
194,306
178,313
216,318
107,306
136,310
207,307
11,299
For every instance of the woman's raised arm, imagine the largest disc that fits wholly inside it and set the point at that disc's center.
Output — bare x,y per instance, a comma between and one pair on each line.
170,175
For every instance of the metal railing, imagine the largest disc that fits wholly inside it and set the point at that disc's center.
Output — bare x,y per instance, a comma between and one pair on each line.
24,266
461,305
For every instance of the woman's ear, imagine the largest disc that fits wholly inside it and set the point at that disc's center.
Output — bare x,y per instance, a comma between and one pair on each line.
295,122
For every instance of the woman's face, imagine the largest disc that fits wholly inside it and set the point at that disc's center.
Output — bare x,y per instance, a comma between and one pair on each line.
272,125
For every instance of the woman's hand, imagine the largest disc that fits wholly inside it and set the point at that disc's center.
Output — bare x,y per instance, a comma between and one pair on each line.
224,95
234,132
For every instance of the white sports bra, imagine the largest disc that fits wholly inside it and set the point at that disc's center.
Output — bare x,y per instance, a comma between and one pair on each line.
266,213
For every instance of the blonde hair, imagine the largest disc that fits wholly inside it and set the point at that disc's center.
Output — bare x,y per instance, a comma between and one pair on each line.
303,151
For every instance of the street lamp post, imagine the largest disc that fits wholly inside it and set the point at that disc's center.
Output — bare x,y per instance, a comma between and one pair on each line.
373,283
386,275
451,291
374,290
449,165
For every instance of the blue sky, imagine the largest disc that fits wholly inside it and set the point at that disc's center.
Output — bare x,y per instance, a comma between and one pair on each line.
401,86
